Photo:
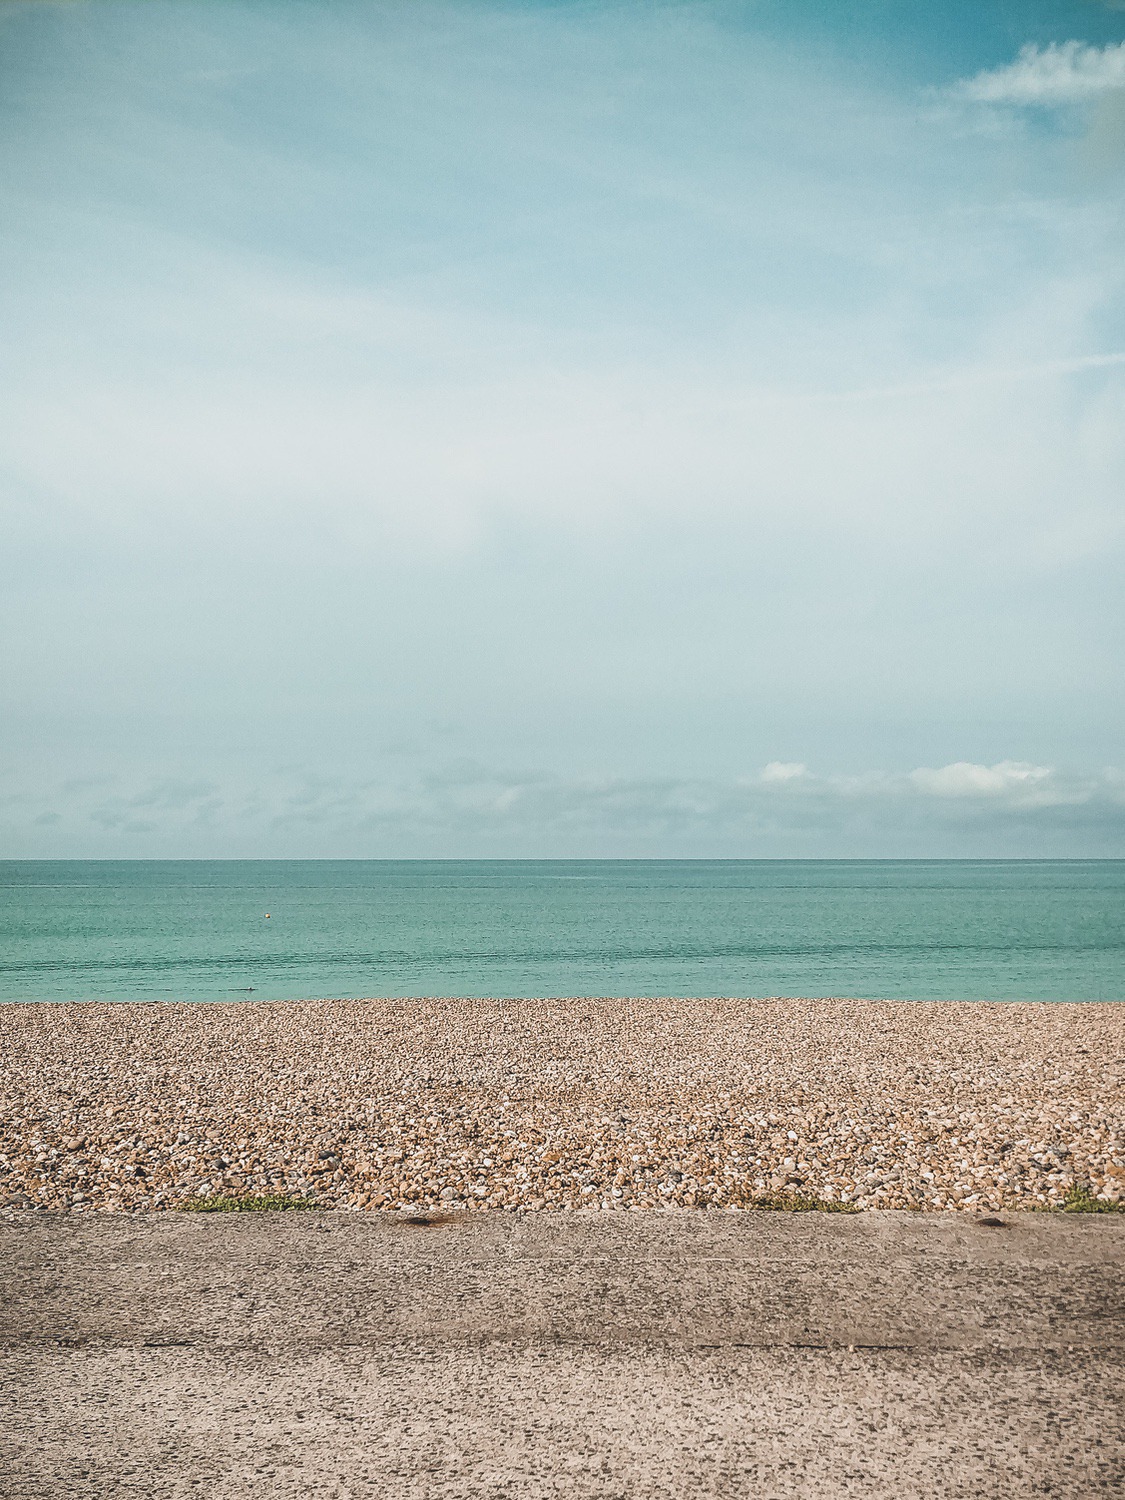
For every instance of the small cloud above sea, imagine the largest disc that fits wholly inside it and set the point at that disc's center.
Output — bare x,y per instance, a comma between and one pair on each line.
784,770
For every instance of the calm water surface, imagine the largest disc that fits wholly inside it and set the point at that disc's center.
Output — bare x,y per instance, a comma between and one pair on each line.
197,930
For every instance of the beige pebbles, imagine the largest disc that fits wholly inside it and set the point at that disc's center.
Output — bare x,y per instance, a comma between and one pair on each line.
552,1104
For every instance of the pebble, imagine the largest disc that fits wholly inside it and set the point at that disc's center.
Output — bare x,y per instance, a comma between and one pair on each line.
531,1105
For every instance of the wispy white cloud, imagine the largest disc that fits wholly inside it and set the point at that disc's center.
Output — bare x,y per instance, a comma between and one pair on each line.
1008,778
1061,73
984,375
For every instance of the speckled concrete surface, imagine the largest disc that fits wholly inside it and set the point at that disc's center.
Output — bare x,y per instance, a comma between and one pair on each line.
631,1355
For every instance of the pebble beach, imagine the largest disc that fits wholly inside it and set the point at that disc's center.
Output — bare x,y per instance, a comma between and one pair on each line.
538,1105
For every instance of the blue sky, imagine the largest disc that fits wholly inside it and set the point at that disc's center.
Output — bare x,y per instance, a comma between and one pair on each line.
562,429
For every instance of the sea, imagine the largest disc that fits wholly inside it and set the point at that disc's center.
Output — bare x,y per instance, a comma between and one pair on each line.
234,930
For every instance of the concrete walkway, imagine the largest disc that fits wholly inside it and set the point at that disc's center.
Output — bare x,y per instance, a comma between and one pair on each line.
631,1355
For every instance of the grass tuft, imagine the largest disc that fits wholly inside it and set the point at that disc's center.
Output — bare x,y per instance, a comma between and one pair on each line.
798,1203
1080,1200
254,1203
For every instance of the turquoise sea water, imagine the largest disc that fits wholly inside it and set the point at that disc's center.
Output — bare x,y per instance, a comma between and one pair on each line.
197,930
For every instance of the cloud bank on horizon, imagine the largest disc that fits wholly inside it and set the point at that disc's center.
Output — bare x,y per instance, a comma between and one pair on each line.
665,399
466,810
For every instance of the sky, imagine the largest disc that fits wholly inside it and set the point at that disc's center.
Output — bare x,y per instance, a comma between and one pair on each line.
562,429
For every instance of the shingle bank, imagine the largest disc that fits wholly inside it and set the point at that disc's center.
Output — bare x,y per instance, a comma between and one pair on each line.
553,1104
